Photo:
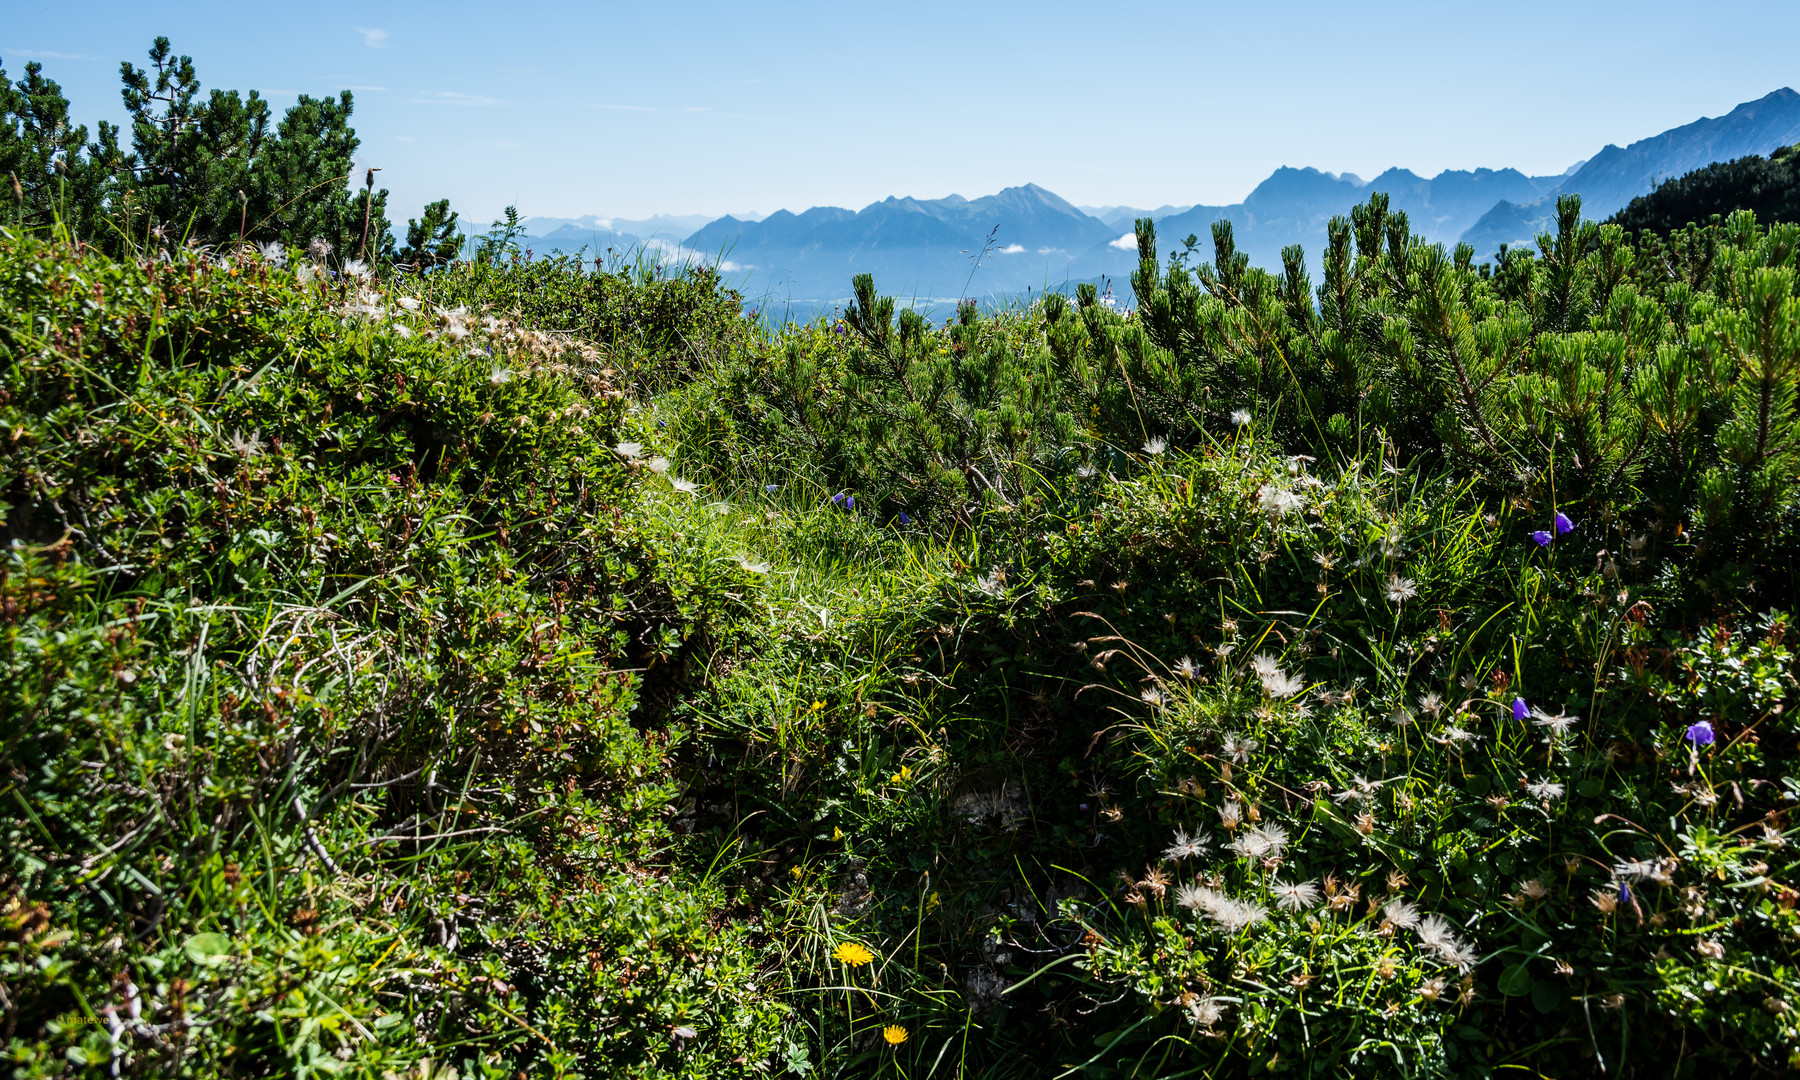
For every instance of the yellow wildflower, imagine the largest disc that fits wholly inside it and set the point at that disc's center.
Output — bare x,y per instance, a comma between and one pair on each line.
894,1034
851,953
837,833
903,775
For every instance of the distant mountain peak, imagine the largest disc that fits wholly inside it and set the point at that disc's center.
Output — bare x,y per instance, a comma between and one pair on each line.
927,248
1785,95
1610,179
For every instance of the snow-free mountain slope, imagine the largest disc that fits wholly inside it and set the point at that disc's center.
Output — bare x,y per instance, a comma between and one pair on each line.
1028,238
1615,175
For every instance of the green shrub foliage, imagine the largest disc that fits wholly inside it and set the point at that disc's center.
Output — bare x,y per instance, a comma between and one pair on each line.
519,666
202,168
1576,369
322,651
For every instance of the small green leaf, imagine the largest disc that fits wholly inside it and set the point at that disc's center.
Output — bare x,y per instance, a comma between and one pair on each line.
1546,996
1591,787
1515,981
208,949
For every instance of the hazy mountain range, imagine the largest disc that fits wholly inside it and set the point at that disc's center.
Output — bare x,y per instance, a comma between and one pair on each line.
596,234
1125,215
1615,176
1028,238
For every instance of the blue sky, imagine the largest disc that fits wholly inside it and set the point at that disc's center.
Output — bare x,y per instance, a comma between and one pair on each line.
689,107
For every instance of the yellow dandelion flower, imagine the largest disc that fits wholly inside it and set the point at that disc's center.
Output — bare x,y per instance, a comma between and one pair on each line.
852,954
894,1034
837,833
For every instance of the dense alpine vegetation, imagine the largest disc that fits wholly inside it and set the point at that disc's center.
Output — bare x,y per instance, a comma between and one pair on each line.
1767,186
416,666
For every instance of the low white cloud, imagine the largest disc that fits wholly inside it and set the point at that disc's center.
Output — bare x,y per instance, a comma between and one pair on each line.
673,253
1012,249
403,138
452,97
373,37
1128,242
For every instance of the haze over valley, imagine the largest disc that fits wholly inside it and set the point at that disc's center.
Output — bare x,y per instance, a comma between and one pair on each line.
938,250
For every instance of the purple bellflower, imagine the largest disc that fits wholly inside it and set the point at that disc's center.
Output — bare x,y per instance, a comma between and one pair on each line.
1520,709
905,518
1563,525
1701,734
1542,538
1624,893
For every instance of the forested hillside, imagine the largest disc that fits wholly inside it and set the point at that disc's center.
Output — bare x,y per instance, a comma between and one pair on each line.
418,666
1768,187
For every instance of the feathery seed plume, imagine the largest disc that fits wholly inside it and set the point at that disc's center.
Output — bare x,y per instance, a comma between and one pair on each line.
1296,896
1185,846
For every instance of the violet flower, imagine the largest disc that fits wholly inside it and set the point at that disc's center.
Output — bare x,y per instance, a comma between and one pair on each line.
1541,538
905,518
1624,893
1520,709
1563,525
1701,734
